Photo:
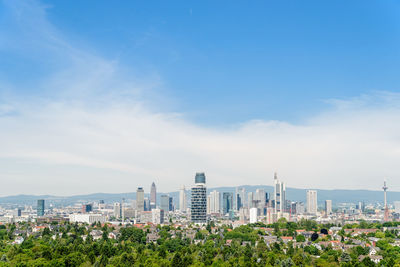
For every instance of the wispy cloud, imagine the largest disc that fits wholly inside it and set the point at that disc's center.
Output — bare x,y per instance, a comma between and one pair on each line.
90,129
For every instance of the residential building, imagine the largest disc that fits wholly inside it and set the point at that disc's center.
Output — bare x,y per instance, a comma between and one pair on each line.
199,199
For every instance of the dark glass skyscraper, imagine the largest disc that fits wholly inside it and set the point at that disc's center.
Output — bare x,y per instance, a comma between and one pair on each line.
200,178
199,199
40,208
227,202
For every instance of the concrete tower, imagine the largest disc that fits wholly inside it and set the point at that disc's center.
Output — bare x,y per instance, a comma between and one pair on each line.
385,188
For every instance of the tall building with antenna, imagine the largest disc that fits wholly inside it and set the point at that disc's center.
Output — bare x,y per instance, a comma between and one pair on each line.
153,196
385,188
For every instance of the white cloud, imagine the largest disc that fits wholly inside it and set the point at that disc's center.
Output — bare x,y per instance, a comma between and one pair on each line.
98,133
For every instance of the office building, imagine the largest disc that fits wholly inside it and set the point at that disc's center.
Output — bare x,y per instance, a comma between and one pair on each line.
253,215
147,206
328,207
279,195
199,199
227,202
171,204
87,218
117,210
312,202
153,196
214,202
241,198
140,199
250,198
157,216
182,199
40,207
87,208
164,203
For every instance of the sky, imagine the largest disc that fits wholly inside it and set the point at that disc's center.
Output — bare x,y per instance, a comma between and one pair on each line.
100,96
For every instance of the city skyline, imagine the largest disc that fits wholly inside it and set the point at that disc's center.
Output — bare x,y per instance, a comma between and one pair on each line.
96,101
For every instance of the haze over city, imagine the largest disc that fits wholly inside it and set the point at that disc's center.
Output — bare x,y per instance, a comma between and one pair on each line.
103,97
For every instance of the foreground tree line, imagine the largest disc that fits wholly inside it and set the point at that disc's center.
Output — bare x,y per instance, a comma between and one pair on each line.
280,244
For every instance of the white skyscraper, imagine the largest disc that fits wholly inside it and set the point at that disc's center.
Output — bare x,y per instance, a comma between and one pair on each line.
279,195
328,207
312,202
182,199
215,202
117,210
253,215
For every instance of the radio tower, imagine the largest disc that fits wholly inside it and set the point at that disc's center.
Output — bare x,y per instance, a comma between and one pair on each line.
385,188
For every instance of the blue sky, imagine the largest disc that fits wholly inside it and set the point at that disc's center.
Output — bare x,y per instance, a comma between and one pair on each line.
126,91
229,62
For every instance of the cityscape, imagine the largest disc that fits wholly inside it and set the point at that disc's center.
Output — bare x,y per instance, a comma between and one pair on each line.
199,133
197,215
197,205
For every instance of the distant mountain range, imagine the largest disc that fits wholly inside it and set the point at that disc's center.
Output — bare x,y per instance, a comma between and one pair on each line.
294,194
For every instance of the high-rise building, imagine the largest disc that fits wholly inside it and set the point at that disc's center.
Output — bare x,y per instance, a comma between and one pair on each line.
157,216
164,203
299,208
253,215
227,202
241,198
87,208
182,199
328,207
147,206
213,202
170,204
153,196
117,210
40,207
312,202
199,199
140,199
250,198
279,195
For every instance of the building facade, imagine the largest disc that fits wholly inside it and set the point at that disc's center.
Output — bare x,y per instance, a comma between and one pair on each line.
312,201
40,208
140,199
199,199
153,196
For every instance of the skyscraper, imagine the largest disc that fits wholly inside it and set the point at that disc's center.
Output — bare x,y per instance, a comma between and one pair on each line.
312,202
199,199
250,198
40,207
164,203
214,202
243,198
140,199
117,210
182,199
328,207
153,196
279,195
227,202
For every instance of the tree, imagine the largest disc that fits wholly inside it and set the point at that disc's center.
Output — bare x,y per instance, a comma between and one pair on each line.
345,257
300,238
